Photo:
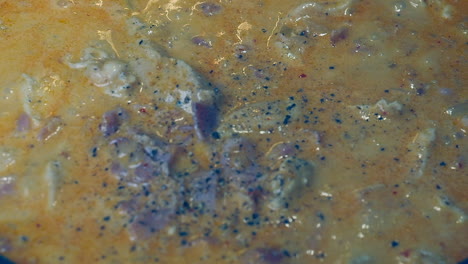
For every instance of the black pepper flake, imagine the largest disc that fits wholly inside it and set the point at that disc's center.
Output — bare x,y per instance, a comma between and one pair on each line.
286,119
331,67
395,243
321,216
443,164
338,121
183,234
420,91
107,218
438,187
320,255
215,135
94,152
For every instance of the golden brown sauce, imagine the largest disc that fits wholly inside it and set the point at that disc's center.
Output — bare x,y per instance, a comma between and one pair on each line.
387,178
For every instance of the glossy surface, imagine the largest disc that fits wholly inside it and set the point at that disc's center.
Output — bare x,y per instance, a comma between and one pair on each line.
233,131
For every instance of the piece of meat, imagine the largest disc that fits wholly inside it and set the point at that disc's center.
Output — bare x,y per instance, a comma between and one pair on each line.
238,154
288,182
201,41
53,175
239,161
261,118
205,112
148,223
210,8
338,35
281,151
23,123
52,127
145,173
140,158
201,191
112,120
419,152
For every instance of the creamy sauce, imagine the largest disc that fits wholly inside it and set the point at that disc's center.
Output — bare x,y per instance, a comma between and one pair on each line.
233,131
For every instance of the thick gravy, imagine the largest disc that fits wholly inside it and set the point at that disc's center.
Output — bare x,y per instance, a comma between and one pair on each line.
228,131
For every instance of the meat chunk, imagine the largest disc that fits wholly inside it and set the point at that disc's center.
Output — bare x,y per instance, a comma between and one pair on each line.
205,113
419,152
104,70
280,151
238,154
238,158
288,182
201,191
200,41
210,8
164,80
52,127
149,223
205,117
338,35
261,118
112,120
140,158
53,177
23,123
306,22
149,207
